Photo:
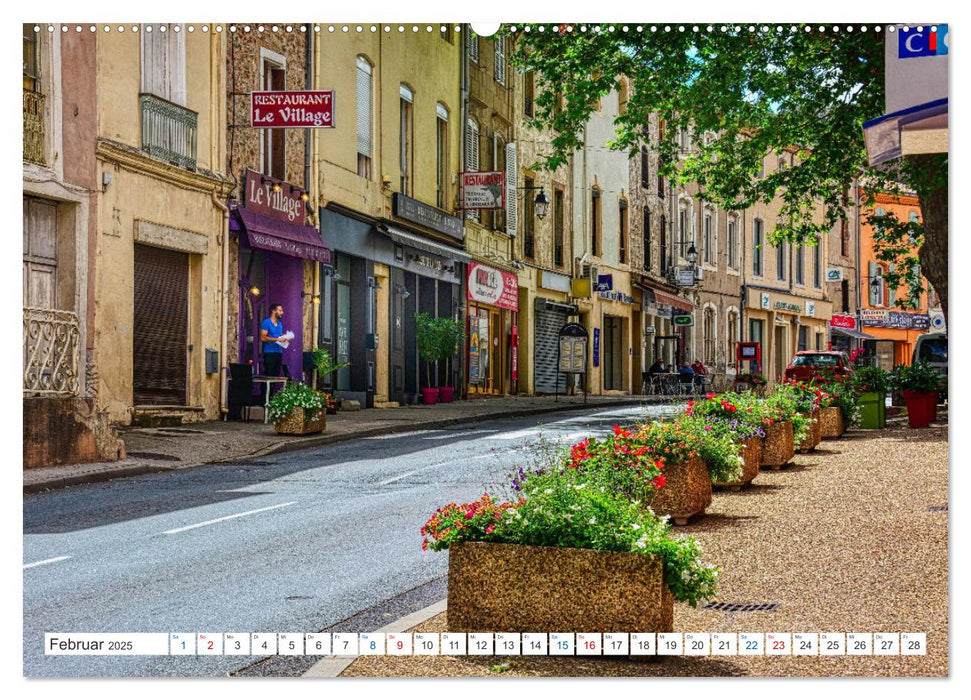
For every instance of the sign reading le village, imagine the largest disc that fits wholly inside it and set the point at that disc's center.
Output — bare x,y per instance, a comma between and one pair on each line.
261,198
292,110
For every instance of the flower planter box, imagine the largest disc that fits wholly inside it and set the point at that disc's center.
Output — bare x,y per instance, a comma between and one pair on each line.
921,408
814,436
296,422
518,588
751,457
831,423
873,410
777,448
686,492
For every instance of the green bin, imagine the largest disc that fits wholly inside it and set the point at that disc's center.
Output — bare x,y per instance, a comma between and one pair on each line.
873,410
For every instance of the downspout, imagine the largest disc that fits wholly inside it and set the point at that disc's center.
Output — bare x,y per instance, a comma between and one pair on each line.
224,336
856,267
307,171
463,125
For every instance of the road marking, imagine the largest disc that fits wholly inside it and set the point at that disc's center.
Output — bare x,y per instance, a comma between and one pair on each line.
394,436
45,561
516,435
433,466
452,436
227,517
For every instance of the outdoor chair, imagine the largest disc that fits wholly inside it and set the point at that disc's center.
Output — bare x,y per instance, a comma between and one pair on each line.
241,396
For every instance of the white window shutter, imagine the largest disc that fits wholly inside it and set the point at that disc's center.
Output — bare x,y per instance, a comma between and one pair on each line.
472,156
501,60
472,41
363,108
176,65
512,208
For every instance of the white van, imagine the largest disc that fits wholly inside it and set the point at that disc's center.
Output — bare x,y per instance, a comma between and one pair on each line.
933,348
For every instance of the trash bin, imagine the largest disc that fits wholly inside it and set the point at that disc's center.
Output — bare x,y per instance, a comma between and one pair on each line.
873,410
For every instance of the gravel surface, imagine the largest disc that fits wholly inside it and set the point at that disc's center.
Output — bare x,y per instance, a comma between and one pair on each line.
850,538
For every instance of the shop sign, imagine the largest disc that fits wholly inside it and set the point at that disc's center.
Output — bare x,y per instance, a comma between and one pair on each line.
845,322
490,286
483,190
686,277
596,347
834,274
810,308
409,209
617,296
605,283
683,320
285,204
657,309
299,109
786,306
558,283
895,319
764,301
648,330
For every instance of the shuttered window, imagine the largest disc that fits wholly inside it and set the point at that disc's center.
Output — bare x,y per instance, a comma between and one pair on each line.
163,62
512,203
406,154
441,154
472,156
40,254
472,44
501,60
365,82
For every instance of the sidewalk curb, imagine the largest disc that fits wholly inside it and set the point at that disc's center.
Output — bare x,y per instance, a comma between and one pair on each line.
319,441
333,666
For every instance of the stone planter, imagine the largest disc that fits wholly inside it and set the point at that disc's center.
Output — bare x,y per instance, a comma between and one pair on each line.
751,457
518,588
777,448
814,436
686,492
296,422
831,423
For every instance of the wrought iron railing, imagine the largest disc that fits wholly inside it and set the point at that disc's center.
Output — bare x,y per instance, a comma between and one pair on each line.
33,127
51,352
169,131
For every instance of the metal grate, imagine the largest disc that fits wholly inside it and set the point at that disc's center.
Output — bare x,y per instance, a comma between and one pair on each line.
742,607
154,455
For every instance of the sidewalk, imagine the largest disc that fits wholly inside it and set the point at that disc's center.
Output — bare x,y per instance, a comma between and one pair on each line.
197,444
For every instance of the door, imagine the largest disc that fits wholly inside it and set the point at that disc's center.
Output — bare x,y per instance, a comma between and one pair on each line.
612,354
545,347
781,351
160,333
396,354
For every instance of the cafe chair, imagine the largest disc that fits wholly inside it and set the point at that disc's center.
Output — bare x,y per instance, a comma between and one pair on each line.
241,396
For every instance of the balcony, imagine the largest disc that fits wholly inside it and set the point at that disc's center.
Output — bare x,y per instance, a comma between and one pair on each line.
51,352
169,131
33,127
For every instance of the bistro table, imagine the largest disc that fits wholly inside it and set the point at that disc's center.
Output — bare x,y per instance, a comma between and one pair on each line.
268,381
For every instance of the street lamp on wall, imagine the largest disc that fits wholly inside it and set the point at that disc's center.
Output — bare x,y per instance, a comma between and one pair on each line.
692,254
541,204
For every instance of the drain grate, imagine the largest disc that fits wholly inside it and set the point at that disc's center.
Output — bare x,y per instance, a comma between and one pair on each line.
154,456
742,607
937,509
180,431
248,463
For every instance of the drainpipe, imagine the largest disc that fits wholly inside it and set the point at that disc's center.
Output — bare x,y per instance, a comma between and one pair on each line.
310,187
856,267
224,336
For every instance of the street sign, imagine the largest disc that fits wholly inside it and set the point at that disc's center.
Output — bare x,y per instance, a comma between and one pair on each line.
686,277
683,320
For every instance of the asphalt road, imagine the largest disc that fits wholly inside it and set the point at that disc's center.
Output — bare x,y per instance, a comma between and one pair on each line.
323,539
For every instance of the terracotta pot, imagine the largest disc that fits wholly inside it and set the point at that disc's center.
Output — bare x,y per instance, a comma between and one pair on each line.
831,423
519,588
814,436
777,448
296,422
686,492
751,452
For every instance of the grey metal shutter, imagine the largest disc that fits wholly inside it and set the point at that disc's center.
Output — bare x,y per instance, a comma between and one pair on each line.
547,328
161,326
512,205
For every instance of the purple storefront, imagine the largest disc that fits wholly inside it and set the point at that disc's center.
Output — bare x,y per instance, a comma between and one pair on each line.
278,253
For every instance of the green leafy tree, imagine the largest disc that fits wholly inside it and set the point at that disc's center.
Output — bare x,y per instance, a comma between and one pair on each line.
754,91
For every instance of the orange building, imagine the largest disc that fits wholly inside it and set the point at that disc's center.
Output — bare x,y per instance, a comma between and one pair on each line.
894,329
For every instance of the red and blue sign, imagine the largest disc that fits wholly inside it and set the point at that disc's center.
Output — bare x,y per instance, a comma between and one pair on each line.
930,40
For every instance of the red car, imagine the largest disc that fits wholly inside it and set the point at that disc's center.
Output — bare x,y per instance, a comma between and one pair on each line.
809,364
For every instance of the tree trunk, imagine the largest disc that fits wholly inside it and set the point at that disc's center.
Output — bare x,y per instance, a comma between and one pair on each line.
930,184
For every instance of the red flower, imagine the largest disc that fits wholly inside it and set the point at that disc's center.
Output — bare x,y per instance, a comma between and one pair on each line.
489,529
658,481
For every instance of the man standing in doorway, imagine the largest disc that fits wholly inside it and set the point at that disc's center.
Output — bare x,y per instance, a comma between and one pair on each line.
271,335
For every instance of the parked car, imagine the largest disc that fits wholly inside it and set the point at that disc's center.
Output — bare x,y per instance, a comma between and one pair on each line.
809,364
933,348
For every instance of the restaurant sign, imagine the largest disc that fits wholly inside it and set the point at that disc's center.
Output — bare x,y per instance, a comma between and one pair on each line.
845,322
490,286
284,204
483,190
300,109
895,319
409,209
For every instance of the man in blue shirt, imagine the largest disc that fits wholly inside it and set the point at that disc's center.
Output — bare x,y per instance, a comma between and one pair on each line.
271,330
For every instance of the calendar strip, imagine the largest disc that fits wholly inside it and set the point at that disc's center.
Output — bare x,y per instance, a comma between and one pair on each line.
355,644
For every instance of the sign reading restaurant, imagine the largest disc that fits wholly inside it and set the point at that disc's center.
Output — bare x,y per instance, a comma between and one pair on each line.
302,109
483,190
895,319
409,209
283,204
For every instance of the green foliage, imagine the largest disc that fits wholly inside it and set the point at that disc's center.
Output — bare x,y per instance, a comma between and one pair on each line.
427,337
840,394
789,404
292,395
325,364
718,446
920,376
869,379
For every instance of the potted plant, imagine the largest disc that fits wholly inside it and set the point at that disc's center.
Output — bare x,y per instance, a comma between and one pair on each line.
450,337
919,383
870,386
784,429
324,365
428,339
685,490
731,438
750,381
297,410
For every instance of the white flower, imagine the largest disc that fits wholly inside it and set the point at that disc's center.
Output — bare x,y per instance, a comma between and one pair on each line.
593,520
635,526
548,491
581,486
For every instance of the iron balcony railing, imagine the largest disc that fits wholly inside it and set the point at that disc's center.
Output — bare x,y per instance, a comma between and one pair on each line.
169,131
33,127
51,352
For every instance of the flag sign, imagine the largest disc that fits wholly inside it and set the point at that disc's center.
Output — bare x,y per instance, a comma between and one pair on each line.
929,40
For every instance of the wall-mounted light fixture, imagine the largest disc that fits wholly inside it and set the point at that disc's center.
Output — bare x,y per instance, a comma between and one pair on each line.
105,181
314,298
541,204
254,290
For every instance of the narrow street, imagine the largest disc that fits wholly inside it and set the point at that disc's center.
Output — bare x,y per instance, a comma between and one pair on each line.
295,542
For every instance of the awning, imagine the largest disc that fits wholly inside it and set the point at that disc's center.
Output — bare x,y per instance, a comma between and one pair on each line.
918,129
672,300
282,237
649,296
853,333
409,239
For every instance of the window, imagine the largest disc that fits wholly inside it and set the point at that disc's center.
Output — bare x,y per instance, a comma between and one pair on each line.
685,237
845,293
647,240
365,129
529,93
876,285
498,163
472,156
845,236
558,228
732,337
645,168
407,139
623,230
732,243
31,59
800,264
623,97
441,155
472,46
780,261
163,64
708,331
529,221
595,222
660,185
40,254
708,233
782,164
757,241
500,67
664,244
447,33
273,142
817,265
761,173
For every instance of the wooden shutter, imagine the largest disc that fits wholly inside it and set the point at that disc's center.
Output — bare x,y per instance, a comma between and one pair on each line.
512,204
363,107
472,42
472,156
160,332
501,60
40,254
